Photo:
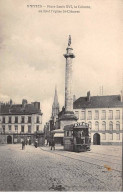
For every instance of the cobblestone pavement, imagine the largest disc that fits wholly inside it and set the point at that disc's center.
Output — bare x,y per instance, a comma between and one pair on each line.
40,169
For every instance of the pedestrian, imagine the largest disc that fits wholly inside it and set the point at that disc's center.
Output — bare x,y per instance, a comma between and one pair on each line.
53,144
45,142
36,143
29,141
22,144
50,143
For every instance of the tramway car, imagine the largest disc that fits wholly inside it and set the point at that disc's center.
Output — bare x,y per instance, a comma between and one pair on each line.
76,137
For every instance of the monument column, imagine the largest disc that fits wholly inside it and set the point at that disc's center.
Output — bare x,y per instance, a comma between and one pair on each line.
68,78
68,116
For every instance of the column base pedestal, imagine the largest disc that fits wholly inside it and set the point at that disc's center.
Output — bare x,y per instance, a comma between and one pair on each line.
67,118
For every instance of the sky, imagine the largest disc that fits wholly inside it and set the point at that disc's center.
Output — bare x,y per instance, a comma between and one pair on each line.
32,45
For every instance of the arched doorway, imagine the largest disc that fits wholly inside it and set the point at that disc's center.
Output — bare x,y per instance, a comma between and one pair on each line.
9,139
96,139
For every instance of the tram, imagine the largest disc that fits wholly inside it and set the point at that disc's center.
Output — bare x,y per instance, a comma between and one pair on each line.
76,137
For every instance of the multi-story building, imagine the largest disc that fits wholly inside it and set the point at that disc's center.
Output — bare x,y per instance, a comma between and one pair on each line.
104,114
20,121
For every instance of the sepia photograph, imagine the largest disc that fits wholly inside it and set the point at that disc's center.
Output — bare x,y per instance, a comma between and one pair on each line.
61,96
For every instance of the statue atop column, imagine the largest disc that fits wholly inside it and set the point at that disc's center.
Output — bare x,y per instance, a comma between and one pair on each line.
69,40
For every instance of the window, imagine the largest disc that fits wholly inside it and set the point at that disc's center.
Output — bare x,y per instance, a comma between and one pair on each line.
110,136
103,126
103,115
10,119
103,136
29,128
16,127
118,126
96,126
37,120
3,127
117,114
110,114
67,133
37,128
117,136
82,117
29,119
90,125
22,119
22,128
9,127
77,114
89,115
3,121
16,119
110,126
96,114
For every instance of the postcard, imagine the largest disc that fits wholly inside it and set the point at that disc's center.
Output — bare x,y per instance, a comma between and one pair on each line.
61,96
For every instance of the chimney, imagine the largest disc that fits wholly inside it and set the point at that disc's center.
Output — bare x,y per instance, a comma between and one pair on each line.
88,96
74,98
24,103
36,105
10,102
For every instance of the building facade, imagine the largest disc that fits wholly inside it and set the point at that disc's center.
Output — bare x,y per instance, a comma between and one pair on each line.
20,121
104,116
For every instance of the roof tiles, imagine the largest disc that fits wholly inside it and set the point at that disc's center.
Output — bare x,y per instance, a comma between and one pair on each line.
110,101
18,109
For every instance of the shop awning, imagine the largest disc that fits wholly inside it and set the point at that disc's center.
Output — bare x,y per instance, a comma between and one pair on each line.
57,131
58,135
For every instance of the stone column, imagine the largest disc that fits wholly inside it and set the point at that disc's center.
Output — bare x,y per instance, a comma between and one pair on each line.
68,116
68,80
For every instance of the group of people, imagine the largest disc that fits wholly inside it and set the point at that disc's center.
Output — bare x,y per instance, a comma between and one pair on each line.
25,142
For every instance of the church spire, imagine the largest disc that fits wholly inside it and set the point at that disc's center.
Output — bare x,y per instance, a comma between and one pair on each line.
55,106
55,97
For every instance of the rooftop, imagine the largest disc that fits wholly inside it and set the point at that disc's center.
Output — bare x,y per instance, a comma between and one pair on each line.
19,109
110,101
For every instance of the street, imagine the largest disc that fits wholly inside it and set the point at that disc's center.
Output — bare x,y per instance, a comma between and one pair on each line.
40,169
